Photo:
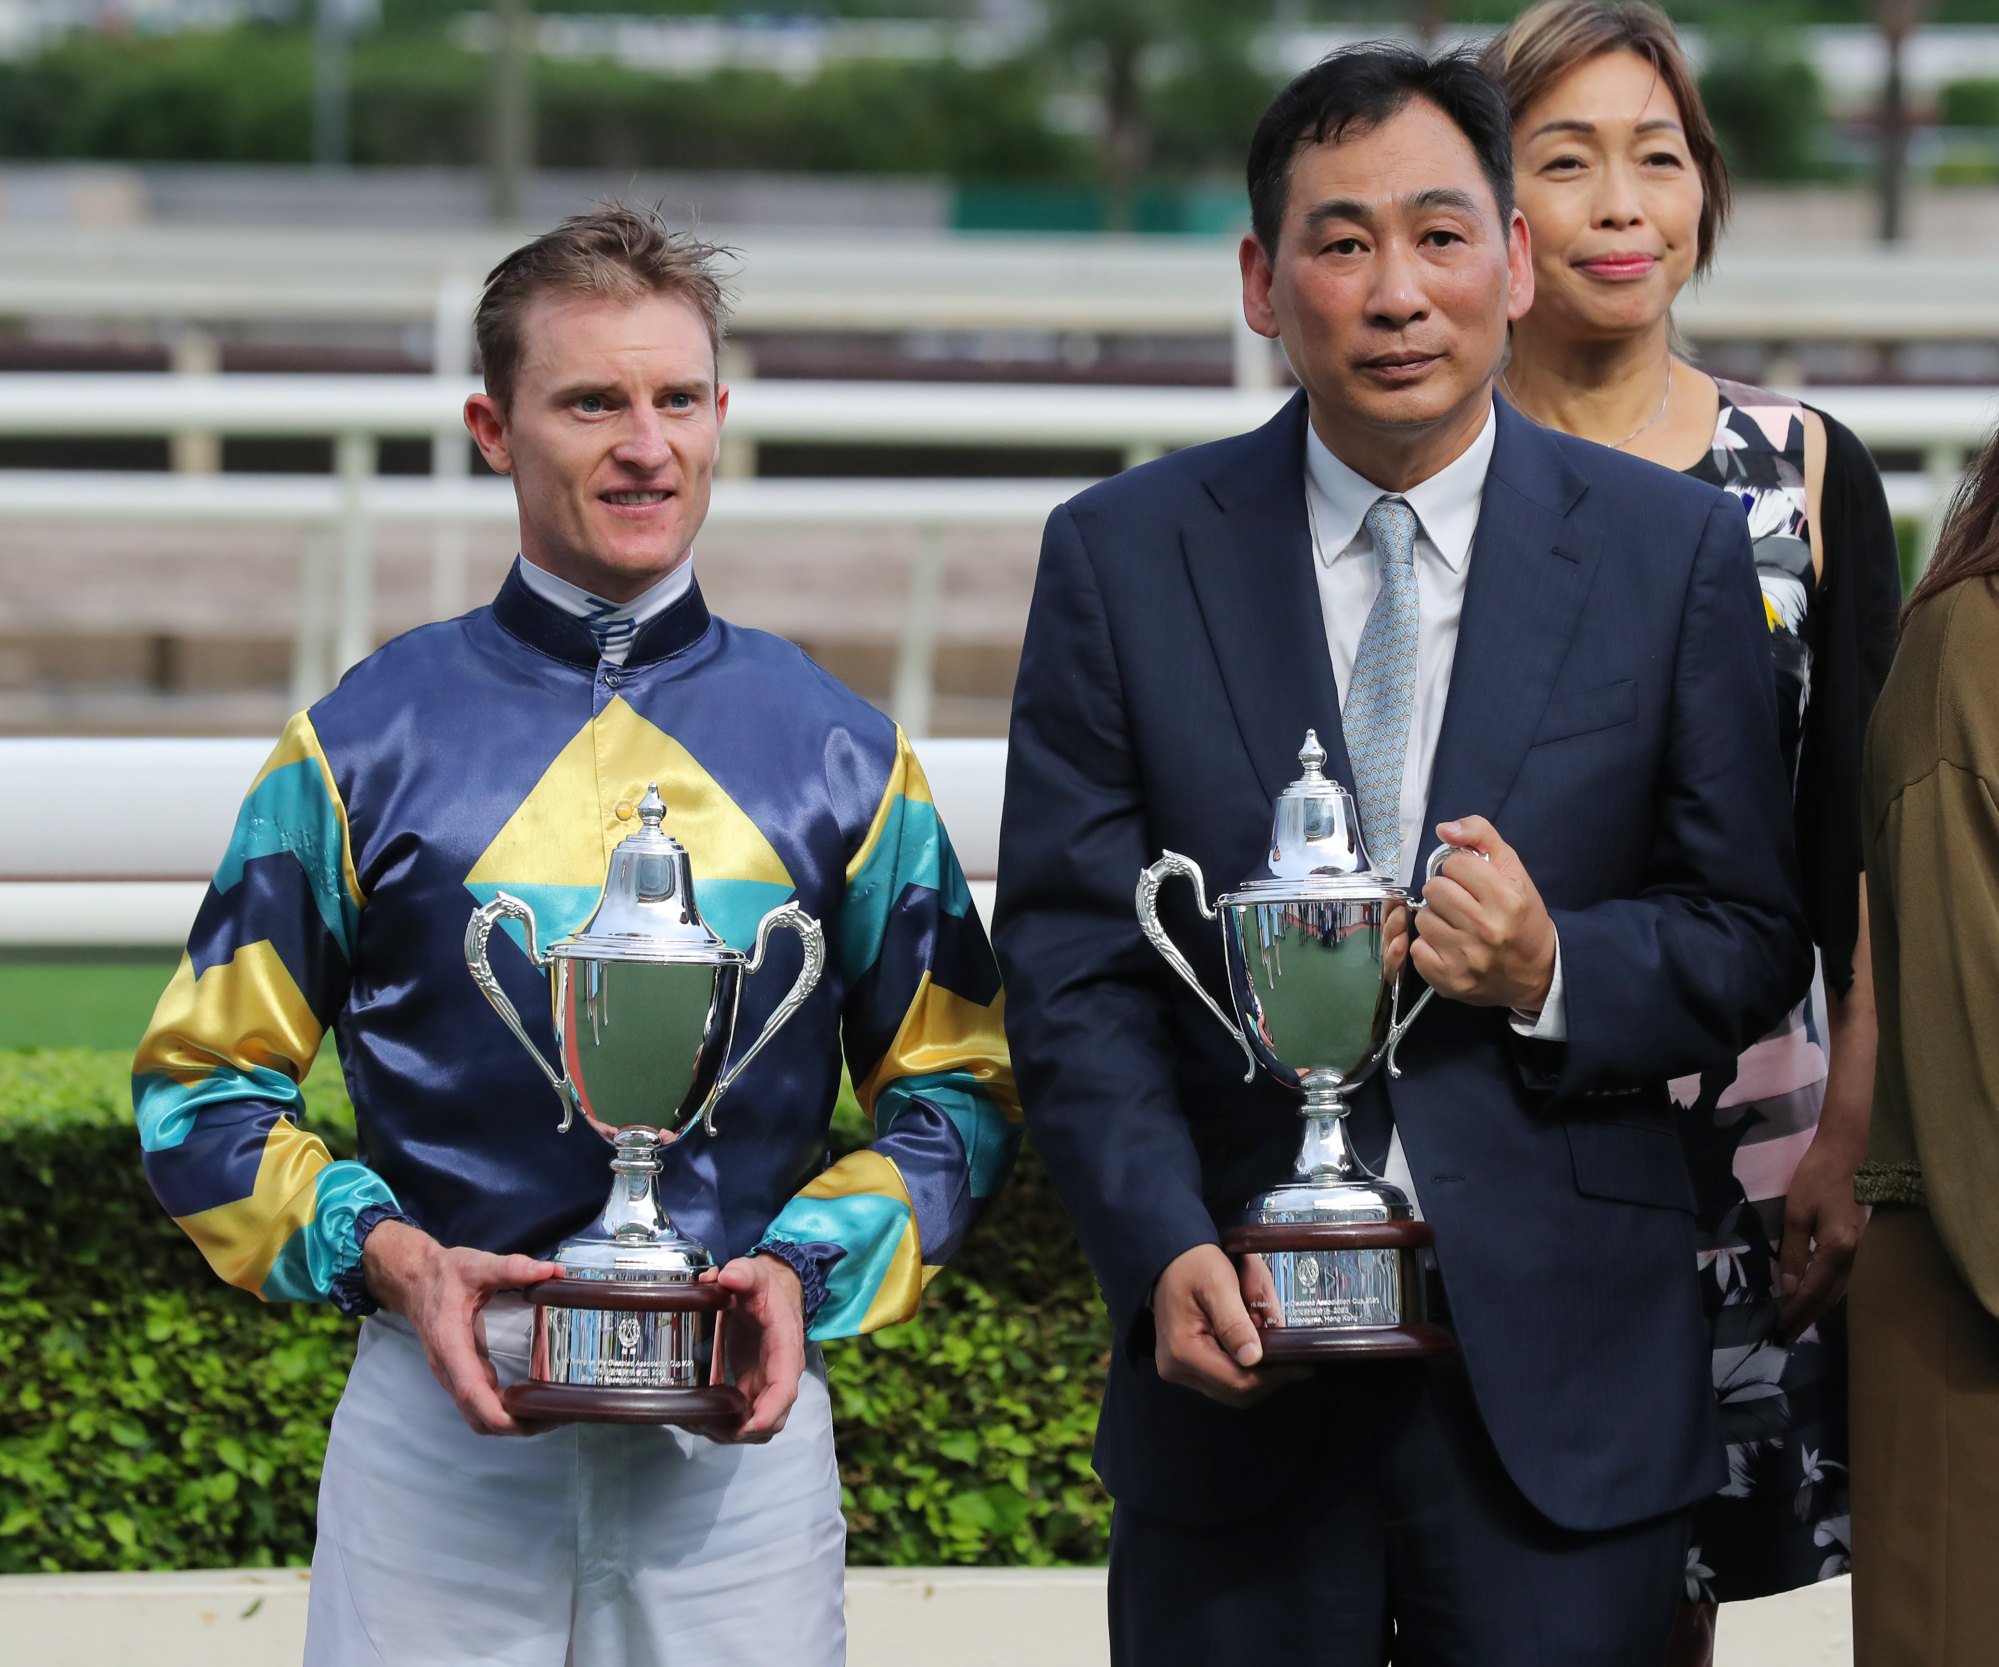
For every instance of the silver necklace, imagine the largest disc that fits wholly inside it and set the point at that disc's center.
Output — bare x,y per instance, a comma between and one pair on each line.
1650,421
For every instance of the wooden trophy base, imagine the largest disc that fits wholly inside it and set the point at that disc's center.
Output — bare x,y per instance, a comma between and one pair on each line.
713,1407
1414,1338
721,1406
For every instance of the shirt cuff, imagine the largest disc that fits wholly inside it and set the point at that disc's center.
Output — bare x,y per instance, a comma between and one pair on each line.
811,1262
1551,1024
350,1291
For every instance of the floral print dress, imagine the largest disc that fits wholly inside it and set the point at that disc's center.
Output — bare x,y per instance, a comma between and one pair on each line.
1780,1521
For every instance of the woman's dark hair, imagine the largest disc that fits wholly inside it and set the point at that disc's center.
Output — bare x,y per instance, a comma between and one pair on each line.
1968,546
1357,89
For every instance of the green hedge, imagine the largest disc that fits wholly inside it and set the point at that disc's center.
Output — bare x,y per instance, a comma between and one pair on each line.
1971,103
245,96
152,1418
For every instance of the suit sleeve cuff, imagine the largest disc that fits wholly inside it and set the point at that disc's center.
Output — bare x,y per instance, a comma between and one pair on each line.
1551,1024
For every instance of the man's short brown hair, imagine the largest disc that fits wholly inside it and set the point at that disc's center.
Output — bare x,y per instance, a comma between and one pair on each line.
613,252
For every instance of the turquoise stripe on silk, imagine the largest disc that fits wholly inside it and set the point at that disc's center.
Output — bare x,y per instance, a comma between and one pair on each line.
167,1109
291,810
558,910
990,1140
733,909
868,1227
323,1249
914,850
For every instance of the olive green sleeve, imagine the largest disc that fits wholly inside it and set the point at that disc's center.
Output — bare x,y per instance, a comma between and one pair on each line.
1936,857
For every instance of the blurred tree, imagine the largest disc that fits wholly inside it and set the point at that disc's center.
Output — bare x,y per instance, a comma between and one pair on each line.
510,116
417,16
1897,20
235,95
1972,103
1129,51
245,95
331,25
1765,101
1702,12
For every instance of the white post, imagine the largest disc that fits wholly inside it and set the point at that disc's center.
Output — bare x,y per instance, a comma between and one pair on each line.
739,453
354,463
916,654
312,670
451,355
1255,363
1784,368
195,352
1943,464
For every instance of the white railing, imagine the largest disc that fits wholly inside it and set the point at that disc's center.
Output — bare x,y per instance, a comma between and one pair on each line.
74,875
1136,422
896,283
336,621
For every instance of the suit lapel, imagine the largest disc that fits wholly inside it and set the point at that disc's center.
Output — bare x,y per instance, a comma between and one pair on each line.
1251,568
1524,594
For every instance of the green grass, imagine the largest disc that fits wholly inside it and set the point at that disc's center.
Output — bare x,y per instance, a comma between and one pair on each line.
79,1003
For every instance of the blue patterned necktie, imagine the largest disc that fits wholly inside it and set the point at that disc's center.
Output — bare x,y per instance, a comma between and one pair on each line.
1382,692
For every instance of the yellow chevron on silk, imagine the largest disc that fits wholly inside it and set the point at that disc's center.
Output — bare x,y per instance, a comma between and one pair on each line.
858,1201
243,1240
216,1076
555,849
907,785
610,761
926,1043
943,1032
246,1012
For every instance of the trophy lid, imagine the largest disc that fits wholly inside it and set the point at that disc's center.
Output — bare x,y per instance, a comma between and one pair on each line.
647,911
1315,838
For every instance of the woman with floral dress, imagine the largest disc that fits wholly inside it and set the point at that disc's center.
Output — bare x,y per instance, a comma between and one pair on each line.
1625,193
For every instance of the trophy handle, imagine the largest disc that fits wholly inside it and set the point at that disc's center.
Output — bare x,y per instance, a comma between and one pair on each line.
1149,882
787,917
1399,1027
477,930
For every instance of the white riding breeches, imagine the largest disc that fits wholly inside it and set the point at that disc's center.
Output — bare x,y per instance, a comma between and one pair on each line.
590,1545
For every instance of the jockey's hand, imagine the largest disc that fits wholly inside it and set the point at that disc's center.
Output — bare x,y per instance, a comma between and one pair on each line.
442,1291
765,1330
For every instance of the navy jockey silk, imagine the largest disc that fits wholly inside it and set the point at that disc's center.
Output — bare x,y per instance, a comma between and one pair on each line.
500,751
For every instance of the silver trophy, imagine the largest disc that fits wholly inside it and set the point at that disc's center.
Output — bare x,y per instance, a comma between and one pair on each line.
1303,944
644,1000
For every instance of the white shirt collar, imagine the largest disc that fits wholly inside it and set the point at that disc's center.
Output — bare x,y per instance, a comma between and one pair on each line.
588,605
1446,504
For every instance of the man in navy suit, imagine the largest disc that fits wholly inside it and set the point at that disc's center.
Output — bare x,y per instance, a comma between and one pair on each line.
1561,651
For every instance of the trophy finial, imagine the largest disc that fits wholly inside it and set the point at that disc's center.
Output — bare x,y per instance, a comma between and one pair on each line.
652,808
1315,831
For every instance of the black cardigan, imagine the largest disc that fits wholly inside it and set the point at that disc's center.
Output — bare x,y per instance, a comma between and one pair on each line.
1852,640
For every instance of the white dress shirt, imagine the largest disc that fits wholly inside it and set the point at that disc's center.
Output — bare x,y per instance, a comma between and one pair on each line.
625,618
1349,573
